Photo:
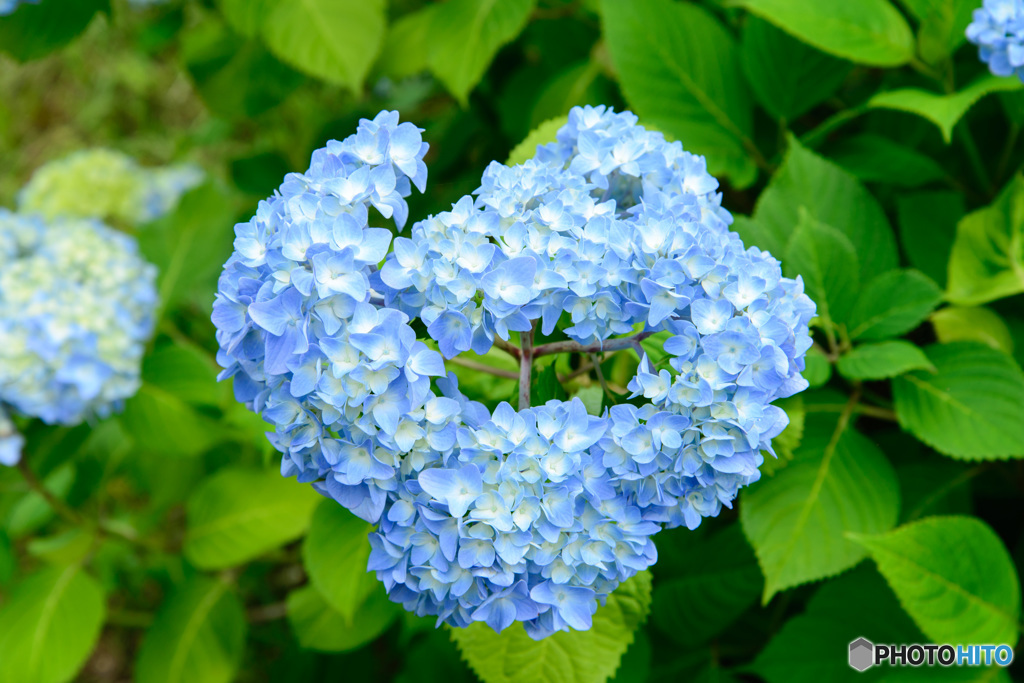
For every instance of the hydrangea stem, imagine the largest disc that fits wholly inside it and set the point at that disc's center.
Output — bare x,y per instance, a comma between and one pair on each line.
607,345
525,369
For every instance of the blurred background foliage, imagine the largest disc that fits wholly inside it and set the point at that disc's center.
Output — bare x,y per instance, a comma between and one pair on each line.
167,548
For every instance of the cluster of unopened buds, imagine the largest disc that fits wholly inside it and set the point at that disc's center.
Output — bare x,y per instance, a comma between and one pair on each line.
608,236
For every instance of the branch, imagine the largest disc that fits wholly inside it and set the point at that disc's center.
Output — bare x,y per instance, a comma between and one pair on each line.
507,347
525,369
483,367
608,345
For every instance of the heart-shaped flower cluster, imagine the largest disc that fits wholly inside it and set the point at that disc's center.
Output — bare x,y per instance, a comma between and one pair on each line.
998,29
532,515
76,309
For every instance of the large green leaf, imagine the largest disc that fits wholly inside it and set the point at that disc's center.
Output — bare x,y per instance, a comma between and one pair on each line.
541,135
246,16
164,423
857,604
869,32
882,360
953,576
973,323
788,77
335,554
837,482
198,636
318,627
943,26
707,596
238,514
187,372
49,625
874,158
407,46
830,195
472,31
190,245
579,656
35,30
987,261
970,408
892,304
680,71
336,40
927,222
942,110
828,263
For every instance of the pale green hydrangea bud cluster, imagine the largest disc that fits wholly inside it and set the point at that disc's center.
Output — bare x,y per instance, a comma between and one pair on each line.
106,184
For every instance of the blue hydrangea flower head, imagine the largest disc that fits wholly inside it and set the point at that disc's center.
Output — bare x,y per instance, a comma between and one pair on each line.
998,29
611,234
8,6
108,185
76,309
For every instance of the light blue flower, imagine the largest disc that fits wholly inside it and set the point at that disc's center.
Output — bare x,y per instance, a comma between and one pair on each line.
76,310
500,516
998,30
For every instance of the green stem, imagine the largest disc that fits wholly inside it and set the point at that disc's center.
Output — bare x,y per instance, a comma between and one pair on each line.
816,136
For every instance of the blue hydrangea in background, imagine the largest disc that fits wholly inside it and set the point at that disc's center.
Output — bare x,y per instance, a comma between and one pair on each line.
998,29
8,6
76,309
534,515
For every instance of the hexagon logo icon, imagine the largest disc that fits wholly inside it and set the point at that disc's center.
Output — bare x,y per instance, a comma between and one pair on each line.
862,654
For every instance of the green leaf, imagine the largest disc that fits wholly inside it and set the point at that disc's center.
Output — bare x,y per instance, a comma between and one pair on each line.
869,32
828,263
987,261
788,77
318,627
335,40
882,360
970,408
163,423
35,30
577,85
473,31
246,16
953,576
943,26
237,514
541,135
831,196
32,511
186,372
579,656
198,636
976,323
49,625
873,158
857,604
697,605
818,369
791,437
190,245
927,222
407,45
943,110
838,482
64,548
892,304
545,386
335,554
592,397
680,70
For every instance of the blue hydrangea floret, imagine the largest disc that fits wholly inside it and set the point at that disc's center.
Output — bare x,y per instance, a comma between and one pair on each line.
998,29
609,236
76,309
